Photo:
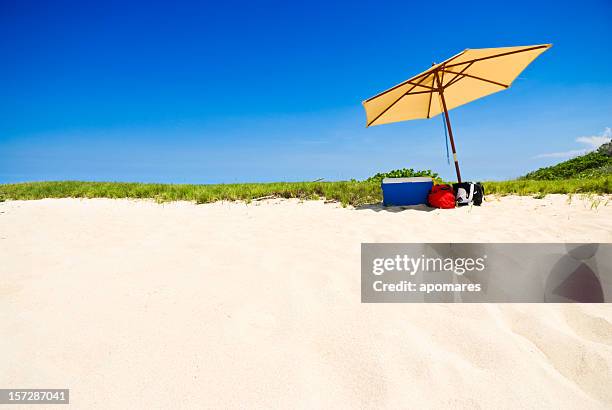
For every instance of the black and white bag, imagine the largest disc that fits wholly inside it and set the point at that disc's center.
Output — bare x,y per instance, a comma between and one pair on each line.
469,193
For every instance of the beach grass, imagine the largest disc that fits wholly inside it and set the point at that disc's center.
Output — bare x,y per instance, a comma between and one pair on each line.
346,192
597,185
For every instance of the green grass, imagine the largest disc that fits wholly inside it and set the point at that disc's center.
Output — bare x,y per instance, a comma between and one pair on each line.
348,193
598,185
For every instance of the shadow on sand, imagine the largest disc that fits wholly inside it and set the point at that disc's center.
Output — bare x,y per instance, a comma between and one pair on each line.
380,208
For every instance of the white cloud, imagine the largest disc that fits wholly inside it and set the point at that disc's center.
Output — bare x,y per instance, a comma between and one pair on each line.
565,154
594,142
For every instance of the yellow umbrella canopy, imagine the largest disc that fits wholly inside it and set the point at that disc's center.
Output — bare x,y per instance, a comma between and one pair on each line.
465,77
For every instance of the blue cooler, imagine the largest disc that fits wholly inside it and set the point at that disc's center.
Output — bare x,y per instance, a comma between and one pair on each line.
406,191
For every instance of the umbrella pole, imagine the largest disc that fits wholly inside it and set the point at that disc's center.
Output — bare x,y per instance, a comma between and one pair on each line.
450,130
452,141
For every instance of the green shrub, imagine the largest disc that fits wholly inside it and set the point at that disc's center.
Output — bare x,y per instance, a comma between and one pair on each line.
404,173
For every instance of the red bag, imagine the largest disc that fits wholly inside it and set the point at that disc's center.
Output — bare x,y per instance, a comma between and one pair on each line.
441,196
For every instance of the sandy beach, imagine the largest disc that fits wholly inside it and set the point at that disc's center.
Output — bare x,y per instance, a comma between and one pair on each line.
134,304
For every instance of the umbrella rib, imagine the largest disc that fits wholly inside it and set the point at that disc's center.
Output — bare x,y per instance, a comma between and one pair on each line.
500,55
394,102
476,78
418,77
418,92
443,63
457,76
429,104
431,95
420,85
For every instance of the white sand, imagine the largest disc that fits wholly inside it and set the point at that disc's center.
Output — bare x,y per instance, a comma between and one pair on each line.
132,304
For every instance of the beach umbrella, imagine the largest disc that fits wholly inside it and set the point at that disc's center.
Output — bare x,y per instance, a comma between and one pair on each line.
465,77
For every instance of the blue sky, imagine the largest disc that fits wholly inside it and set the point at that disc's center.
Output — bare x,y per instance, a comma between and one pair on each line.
207,92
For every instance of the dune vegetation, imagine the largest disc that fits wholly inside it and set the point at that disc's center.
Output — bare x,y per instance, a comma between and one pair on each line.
346,192
587,174
592,165
598,185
